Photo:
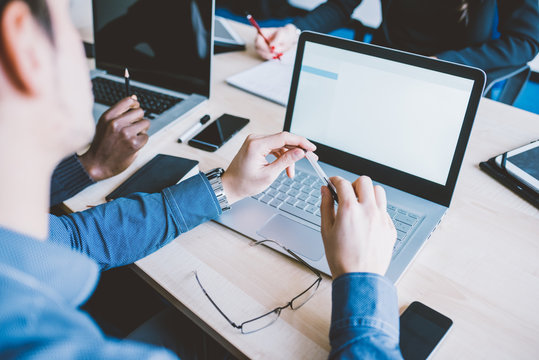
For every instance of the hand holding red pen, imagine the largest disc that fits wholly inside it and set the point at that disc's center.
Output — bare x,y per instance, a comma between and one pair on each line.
271,43
281,40
264,37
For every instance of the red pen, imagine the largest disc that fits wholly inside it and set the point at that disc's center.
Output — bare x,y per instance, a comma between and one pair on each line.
259,30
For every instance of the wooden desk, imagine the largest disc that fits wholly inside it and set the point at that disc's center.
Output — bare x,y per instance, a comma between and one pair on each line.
480,267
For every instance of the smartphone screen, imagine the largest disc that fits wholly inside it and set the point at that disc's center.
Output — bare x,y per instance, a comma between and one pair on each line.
421,329
218,132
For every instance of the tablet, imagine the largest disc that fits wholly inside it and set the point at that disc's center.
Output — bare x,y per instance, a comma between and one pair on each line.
523,164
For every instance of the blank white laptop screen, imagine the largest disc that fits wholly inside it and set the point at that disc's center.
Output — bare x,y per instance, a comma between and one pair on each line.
402,116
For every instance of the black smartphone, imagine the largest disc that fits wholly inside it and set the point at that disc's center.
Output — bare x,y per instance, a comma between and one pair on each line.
218,132
421,330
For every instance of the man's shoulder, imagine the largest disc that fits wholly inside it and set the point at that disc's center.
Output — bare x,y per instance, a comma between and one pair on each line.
33,321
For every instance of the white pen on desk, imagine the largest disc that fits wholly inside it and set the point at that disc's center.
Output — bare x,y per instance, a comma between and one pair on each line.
193,129
311,157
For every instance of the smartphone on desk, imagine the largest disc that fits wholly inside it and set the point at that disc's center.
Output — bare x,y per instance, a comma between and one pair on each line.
218,132
421,330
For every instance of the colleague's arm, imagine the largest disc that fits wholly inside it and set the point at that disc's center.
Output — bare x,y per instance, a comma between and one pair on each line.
128,229
329,16
325,18
69,178
120,134
359,240
518,44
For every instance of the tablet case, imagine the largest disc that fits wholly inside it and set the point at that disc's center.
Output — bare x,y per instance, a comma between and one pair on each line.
502,176
159,173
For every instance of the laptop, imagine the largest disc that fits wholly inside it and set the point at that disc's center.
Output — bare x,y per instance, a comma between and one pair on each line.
400,118
167,47
226,39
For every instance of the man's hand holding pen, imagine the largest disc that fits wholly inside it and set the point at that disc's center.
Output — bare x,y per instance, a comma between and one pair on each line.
250,172
120,134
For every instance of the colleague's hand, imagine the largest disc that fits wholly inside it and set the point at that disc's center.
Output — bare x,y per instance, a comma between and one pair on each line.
120,134
281,39
250,173
360,236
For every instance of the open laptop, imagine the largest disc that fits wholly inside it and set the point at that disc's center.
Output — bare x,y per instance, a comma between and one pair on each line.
225,36
402,119
167,47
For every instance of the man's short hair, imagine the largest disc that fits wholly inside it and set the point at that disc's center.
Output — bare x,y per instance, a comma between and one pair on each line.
40,11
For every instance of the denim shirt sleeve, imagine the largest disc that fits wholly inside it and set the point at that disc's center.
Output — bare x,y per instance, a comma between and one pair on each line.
127,229
69,178
365,318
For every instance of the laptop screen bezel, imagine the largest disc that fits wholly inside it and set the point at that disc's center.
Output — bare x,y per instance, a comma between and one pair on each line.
186,88
440,194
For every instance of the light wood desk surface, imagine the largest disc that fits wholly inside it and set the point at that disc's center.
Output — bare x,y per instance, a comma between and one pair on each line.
480,267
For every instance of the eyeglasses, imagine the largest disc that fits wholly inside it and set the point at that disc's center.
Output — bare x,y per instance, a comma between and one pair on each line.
267,319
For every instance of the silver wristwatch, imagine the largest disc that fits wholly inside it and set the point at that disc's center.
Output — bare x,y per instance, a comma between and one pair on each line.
214,177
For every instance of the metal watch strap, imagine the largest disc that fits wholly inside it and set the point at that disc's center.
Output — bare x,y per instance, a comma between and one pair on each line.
214,177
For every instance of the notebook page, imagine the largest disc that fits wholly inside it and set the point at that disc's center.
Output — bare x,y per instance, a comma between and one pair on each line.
270,80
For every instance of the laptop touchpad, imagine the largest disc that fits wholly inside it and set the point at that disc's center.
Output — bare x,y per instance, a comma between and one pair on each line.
297,237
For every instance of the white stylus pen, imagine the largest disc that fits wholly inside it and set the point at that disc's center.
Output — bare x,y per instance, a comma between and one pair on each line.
193,129
321,174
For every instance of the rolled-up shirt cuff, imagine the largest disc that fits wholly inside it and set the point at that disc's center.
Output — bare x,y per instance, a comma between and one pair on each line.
363,300
69,178
197,195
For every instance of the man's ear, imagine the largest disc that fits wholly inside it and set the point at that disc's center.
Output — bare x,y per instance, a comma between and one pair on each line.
21,53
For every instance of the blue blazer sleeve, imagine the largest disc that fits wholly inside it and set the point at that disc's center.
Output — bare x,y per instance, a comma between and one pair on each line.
518,25
518,43
329,16
128,229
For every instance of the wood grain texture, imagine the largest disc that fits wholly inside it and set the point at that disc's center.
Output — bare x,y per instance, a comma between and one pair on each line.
480,267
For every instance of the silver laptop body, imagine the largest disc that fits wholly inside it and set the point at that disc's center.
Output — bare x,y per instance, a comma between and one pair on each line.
418,167
168,50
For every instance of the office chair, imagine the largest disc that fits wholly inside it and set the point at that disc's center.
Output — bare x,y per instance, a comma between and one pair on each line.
508,83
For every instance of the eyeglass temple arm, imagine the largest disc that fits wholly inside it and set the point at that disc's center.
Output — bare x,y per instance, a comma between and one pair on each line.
316,272
214,304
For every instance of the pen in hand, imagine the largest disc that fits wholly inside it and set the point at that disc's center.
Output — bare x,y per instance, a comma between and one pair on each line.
259,30
126,78
313,160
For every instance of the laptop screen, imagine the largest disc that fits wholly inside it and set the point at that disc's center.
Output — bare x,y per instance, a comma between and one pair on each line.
166,43
405,117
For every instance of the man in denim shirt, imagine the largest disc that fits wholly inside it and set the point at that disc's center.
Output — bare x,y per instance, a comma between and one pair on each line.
49,265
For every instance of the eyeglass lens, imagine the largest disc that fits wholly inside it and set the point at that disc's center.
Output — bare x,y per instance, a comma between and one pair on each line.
303,298
260,323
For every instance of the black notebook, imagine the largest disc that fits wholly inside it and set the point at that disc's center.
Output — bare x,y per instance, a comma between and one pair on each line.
159,173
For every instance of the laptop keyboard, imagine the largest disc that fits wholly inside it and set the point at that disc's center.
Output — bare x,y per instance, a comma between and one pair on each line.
301,197
109,92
